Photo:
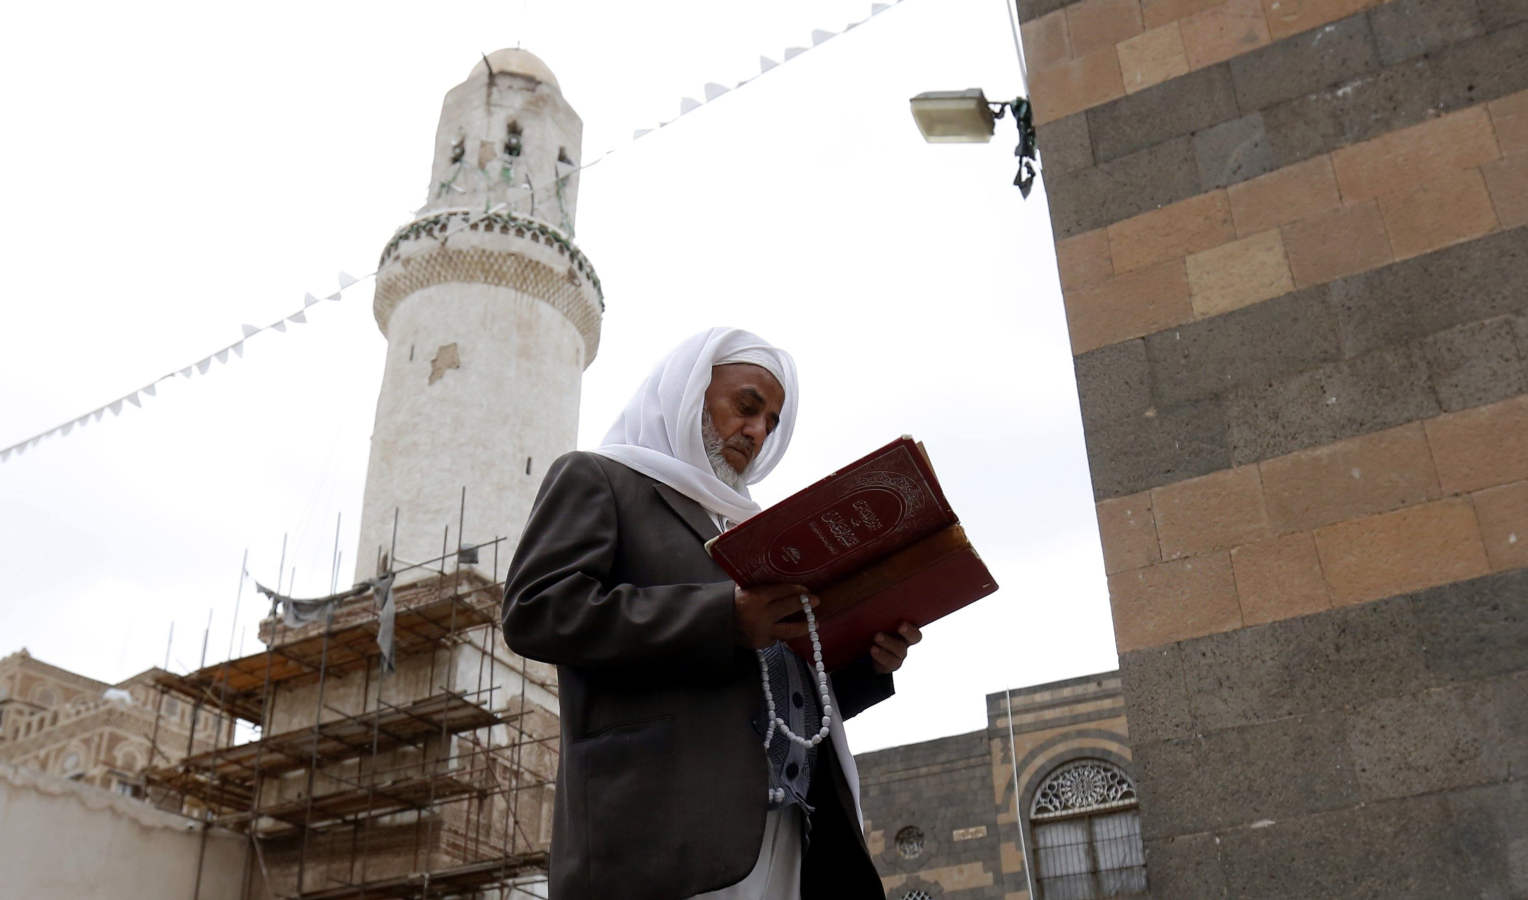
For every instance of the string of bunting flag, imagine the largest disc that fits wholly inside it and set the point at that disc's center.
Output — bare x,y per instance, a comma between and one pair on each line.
711,91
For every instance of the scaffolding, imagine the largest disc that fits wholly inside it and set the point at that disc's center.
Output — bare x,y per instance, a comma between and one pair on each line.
425,774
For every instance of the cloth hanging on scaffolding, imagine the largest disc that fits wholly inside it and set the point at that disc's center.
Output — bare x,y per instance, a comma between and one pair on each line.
386,613
295,612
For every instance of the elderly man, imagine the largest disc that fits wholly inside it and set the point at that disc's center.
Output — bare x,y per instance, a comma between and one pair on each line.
676,780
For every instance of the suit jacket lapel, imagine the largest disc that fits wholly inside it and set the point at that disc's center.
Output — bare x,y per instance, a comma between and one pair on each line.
693,514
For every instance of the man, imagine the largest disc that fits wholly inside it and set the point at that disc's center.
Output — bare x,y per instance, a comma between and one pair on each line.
664,788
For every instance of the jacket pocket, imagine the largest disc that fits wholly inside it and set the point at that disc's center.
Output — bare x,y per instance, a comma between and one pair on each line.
624,776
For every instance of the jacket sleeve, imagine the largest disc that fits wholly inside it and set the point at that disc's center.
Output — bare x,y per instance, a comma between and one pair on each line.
859,686
561,605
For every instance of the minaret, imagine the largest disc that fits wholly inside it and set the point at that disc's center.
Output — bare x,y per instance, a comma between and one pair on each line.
491,313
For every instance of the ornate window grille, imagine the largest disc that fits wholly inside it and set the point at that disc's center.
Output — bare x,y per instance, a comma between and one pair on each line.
909,842
1087,834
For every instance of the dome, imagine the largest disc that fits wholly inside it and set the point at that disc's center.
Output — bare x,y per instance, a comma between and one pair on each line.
521,62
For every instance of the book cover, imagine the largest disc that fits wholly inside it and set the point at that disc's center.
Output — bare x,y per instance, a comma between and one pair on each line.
876,540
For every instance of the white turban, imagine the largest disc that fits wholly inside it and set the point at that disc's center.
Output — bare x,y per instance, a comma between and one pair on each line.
658,434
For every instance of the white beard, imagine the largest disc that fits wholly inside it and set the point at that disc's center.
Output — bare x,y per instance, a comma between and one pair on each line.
713,442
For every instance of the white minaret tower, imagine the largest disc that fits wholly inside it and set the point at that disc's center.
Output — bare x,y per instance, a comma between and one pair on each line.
490,321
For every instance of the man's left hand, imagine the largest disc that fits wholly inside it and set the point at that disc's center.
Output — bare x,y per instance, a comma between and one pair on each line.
890,649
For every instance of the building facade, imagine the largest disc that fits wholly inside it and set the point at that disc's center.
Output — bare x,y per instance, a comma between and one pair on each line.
1044,796
1291,239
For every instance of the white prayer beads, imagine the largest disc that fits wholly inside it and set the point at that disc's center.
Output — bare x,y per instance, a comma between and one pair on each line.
822,692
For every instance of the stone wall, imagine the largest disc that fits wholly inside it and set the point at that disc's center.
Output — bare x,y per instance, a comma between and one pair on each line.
1291,243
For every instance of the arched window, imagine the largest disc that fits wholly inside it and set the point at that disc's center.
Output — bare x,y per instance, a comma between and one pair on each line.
1087,834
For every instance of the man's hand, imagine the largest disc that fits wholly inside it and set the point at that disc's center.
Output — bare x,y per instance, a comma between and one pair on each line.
761,609
889,650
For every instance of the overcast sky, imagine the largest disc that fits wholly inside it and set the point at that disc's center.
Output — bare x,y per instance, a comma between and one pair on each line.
173,171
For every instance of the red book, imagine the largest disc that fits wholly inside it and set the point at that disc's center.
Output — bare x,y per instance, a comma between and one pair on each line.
877,541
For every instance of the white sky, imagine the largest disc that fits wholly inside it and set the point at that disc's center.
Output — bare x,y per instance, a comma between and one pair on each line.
175,170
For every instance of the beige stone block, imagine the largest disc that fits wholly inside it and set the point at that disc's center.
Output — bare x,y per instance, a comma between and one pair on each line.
1287,17
1223,31
1405,550
1173,601
1481,447
1211,512
1342,241
1128,532
1444,210
1152,57
1509,118
1176,230
1349,479
1400,162
1507,183
1084,259
1155,13
1045,41
1127,306
1100,24
1076,85
1279,578
1503,515
1238,274
1296,192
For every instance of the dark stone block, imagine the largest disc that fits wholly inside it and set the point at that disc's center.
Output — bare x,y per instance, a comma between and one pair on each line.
1436,740
1339,400
1232,152
1288,767
1376,852
1326,661
1163,769
1065,145
1145,451
1510,696
1482,69
1034,9
1171,109
1366,107
1418,297
1113,383
1186,866
1102,195
1503,13
1304,63
1475,364
1474,629
1156,703
1488,825
1520,328
1261,343
1407,28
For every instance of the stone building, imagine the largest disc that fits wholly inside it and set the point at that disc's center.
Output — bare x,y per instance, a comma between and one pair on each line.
1291,239
55,721
942,816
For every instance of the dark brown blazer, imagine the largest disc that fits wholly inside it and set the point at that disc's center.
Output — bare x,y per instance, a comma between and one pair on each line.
661,781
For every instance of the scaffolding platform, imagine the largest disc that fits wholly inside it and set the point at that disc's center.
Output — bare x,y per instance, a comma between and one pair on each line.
443,883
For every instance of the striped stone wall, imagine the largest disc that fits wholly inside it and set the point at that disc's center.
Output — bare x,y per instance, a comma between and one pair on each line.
1293,245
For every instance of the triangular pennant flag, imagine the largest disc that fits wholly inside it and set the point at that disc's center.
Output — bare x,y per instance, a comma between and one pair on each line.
250,330
298,317
688,104
5,454
204,365
238,349
133,399
22,448
149,389
222,355
641,131
333,296
82,421
308,300
818,36
66,428
765,64
186,372
346,280
279,325
714,90
793,52
98,413
115,407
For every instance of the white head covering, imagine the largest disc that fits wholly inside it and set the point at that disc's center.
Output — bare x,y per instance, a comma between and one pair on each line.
658,434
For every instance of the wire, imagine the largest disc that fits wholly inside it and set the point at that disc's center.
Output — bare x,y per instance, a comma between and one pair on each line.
1011,7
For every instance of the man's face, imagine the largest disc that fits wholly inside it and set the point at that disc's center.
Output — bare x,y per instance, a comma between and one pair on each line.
743,403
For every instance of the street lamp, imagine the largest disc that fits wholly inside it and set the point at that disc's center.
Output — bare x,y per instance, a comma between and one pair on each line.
968,117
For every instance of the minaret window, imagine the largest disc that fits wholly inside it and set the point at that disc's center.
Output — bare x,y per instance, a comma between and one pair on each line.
562,156
512,139
458,150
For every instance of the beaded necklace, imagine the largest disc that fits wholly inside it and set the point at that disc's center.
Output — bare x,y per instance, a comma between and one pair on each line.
775,722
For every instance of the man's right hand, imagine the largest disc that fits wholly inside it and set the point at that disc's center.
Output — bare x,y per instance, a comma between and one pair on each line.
761,611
